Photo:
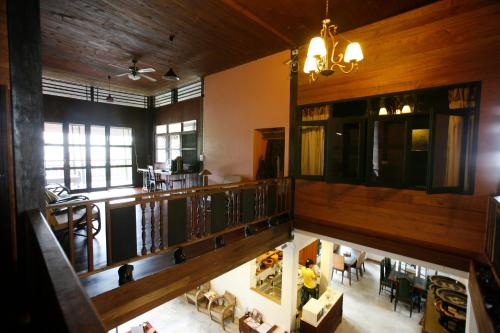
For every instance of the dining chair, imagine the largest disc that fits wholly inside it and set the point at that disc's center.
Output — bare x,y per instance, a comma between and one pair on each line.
338,264
151,185
404,293
384,278
359,264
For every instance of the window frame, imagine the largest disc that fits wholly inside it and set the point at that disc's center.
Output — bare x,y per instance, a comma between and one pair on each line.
168,146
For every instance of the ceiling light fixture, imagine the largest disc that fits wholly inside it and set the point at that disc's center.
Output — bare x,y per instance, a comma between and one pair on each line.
319,61
110,98
171,76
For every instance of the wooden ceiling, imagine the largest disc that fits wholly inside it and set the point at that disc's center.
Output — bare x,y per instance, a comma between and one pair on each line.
80,38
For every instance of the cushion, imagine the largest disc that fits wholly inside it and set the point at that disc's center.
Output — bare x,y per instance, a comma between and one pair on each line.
50,197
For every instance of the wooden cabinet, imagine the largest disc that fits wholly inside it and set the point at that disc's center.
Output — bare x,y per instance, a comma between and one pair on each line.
330,321
309,252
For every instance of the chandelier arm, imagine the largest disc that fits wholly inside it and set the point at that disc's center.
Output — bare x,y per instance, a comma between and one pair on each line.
347,71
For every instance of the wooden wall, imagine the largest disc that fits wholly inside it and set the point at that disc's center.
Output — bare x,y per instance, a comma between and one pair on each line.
443,43
4,49
61,109
447,42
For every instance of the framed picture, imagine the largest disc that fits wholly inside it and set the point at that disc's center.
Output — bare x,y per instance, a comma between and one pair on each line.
419,139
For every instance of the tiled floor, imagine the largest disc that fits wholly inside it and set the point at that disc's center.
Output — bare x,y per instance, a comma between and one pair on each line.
364,311
367,312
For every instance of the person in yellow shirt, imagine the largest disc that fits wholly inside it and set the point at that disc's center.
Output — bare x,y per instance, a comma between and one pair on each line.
309,287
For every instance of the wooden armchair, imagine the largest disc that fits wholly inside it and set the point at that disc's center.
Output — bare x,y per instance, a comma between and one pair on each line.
222,308
196,296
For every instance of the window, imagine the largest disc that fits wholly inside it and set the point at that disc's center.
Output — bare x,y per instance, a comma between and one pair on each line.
421,139
176,139
85,159
54,153
120,152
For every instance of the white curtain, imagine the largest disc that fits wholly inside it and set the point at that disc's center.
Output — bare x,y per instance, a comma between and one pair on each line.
313,150
453,150
316,113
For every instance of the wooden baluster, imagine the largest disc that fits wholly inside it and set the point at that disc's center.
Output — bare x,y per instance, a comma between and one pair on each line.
238,208
162,243
228,208
264,200
109,253
144,251
152,210
90,239
71,236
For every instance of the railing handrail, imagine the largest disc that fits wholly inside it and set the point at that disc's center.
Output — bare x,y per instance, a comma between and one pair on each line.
78,312
168,194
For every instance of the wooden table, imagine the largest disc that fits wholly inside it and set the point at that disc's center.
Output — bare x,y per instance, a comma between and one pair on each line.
169,177
349,261
245,328
418,283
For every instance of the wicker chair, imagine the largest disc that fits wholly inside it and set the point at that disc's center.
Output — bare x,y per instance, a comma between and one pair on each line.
222,308
195,296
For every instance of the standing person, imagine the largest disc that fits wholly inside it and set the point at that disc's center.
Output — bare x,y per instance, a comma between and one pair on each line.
309,287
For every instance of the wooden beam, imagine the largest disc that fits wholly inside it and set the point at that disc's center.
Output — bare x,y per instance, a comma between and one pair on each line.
123,303
248,14
421,250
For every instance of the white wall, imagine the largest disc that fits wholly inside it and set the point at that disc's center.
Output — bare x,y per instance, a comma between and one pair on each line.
238,282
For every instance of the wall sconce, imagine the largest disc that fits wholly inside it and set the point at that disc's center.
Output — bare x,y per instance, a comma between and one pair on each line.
382,112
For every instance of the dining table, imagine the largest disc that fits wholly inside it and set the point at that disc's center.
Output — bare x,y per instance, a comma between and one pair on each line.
350,256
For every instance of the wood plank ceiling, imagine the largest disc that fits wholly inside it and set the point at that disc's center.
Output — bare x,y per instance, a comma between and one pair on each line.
80,38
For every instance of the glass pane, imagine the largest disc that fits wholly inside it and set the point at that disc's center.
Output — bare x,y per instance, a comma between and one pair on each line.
161,142
53,133
161,129
54,156
120,136
97,135
388,151
76,135
120,155
98,177
121,176
97,156
174,153
312,150
77,179
54,176
189,125
175,141
161,156
448,140
174,128
77,156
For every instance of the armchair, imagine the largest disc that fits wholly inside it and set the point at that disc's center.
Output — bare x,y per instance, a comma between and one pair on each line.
58,217
196,296
222,308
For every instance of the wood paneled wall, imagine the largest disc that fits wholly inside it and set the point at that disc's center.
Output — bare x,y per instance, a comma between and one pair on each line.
62,109
4,47
447,42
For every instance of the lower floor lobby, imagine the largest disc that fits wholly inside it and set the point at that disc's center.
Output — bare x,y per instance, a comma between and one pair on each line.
363,308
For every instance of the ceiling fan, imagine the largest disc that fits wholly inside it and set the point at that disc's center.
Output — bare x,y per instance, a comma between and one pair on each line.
134,72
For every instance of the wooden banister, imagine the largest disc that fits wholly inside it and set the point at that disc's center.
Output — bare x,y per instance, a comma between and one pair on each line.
64,300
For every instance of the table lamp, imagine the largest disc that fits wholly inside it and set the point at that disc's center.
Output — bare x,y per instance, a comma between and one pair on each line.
205,173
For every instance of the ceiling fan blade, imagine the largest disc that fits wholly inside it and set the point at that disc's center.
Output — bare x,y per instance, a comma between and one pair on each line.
121,74
125,68
148,77
146,70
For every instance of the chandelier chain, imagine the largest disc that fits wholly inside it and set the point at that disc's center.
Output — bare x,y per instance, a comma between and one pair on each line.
326,13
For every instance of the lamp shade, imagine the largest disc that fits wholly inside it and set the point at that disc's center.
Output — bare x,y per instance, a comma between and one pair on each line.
310,65
353,52
110,98
382,112
317,48
406,109
204,172
170,75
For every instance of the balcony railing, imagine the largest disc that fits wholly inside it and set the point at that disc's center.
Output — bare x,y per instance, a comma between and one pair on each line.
146,224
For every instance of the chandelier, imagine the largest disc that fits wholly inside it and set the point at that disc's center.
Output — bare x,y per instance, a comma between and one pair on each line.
319,61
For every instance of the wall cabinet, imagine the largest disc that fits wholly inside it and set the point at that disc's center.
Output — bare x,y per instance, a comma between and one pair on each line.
422,139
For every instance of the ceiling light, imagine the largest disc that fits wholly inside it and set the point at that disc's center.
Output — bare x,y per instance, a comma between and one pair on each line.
318,60
406,109
382,112
110,98
170,75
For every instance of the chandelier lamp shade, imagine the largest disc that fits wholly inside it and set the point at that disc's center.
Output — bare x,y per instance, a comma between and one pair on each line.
322,57
109,98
